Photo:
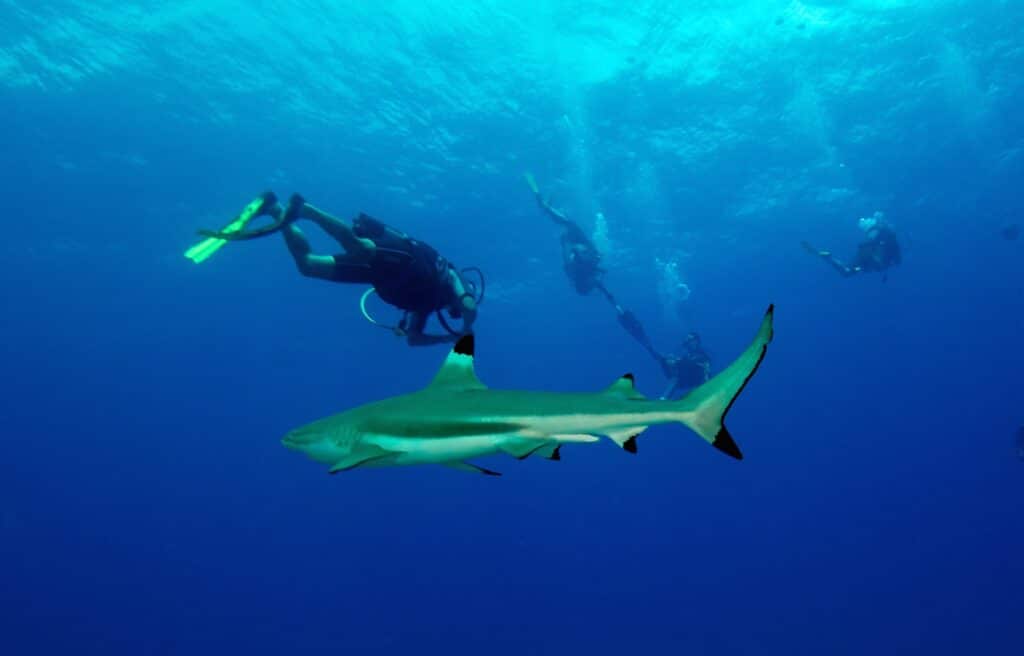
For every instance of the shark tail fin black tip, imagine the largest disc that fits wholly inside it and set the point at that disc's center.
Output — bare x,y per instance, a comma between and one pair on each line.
704,409
723,442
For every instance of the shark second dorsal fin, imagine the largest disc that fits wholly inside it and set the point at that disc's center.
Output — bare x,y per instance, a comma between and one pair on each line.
456,373
624,387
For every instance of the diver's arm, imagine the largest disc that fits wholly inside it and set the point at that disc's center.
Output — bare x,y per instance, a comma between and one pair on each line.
466,303
423,339
308,263
670,391
414,335
465,299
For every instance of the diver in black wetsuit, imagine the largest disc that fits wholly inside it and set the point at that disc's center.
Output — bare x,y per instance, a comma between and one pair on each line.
405,272
580,257
879,252
689,368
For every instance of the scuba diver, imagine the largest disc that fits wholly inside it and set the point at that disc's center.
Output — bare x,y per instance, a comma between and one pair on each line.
1020,443
690,368
580,257
404,272
878,253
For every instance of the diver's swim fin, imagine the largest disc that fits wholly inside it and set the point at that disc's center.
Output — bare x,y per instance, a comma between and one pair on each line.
233,231
814,251
530,181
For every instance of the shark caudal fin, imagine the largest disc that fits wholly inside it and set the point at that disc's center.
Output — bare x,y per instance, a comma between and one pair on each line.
704,408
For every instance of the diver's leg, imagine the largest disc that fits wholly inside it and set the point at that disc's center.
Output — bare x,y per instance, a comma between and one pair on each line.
308,263
844,270
604,290
270,206
335,227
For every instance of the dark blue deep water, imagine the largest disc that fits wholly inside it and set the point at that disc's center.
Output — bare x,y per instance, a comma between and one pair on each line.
147,505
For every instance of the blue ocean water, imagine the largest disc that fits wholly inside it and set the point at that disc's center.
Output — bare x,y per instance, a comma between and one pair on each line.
148,507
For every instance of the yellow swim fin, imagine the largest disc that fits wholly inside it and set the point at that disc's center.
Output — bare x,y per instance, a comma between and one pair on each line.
530,181
206,248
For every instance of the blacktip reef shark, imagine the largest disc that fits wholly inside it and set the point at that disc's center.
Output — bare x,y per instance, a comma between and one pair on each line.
456,418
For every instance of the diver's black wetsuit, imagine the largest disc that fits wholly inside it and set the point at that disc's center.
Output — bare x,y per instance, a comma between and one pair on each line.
878,253
580,259
406,272
685,371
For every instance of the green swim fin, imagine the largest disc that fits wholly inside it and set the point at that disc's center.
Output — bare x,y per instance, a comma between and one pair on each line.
206,248
530,181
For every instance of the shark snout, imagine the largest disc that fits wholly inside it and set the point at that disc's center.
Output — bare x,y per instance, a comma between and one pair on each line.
293,440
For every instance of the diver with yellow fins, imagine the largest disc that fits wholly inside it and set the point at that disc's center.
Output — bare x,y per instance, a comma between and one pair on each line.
405,272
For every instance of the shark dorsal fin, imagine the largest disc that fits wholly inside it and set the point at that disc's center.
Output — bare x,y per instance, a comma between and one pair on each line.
457,371
624,387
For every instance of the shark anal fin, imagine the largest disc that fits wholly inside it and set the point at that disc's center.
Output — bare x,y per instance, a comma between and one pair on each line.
626,437
550,451
358,458
471,468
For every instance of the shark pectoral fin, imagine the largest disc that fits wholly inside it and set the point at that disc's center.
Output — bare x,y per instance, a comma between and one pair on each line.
473,469
626,438
624,387
362,456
